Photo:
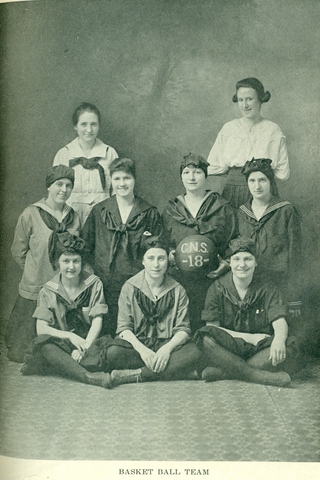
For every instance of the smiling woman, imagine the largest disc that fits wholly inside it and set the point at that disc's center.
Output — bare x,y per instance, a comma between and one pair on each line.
90,158
30,249
114,232
247,137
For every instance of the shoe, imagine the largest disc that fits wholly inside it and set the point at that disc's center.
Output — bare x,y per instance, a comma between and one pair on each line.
100,379
119,377
213,374
277,379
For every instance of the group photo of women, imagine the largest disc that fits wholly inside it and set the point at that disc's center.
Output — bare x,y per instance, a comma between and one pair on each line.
114,290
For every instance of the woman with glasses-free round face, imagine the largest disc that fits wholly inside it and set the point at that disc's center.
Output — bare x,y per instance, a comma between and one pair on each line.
153,331
114,231
69,316
246,332
274,225
246,137
30,248
198,212
90,158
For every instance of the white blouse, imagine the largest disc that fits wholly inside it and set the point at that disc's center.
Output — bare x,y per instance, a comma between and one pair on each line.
87,185
236,143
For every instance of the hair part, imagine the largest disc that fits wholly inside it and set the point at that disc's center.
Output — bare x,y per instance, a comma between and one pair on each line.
85,107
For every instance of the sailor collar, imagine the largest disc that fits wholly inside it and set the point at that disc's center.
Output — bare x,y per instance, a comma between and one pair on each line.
43,205
274,204
139,281
55,285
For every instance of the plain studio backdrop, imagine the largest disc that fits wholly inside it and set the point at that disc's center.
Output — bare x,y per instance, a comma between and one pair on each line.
162,73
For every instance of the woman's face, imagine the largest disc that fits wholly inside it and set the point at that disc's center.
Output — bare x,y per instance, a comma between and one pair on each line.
259,186
60,190
249,103
193,178
87,127
243,265
70,265
155,262
122,183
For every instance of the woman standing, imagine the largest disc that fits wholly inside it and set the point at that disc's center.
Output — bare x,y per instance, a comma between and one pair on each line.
198,212
274,225
114,231
30,248
90,158
247,137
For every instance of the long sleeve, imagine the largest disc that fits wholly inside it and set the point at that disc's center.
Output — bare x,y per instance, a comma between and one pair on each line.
215,158
20,245
281,161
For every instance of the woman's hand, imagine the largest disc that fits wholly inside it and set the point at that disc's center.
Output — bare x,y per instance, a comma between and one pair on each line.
172,260
224,267
277,351
147,356
161,359
77,356
78,342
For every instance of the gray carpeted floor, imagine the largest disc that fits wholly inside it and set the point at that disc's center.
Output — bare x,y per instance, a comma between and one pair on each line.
54,418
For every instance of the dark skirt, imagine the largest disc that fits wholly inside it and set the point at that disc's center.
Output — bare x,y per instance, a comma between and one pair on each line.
238,346
236,189
21,329
95,359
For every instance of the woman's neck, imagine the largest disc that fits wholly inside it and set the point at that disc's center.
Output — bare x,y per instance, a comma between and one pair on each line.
154,283
70,283
87,146
260,202
125,201
195,196
241,284
56,207
250,122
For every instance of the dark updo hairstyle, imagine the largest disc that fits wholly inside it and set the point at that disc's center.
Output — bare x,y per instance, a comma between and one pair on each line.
263,96
124,165
85,107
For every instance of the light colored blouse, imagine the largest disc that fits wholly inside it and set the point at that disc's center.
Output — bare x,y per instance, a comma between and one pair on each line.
87,186
236,143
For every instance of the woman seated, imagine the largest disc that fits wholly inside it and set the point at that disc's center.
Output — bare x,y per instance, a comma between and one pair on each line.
90,158
198,212
246,333
69,316
114,230
274,226
30,248
153,339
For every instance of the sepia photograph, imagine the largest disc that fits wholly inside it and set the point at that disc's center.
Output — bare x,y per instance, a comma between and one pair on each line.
160,225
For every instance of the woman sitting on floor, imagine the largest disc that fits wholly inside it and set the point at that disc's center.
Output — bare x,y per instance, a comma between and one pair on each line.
246,333
153,324
69,317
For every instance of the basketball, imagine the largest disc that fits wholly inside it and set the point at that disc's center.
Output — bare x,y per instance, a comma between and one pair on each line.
196,253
